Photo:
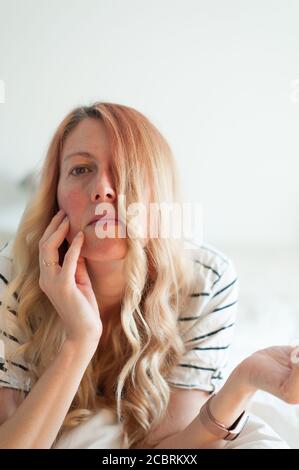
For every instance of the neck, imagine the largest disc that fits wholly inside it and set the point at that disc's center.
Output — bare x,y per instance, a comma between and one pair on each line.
108,282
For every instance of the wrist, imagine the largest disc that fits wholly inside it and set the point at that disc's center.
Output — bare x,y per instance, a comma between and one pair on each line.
240,380
233,398
84,348
218,428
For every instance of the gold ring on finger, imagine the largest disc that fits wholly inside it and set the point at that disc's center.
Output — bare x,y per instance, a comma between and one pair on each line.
52,263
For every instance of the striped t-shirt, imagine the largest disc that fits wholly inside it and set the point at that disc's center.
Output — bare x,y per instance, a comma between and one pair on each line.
13,372
206,325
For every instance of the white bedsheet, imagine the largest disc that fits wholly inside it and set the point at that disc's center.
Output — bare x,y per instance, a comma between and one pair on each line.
101,432
283,418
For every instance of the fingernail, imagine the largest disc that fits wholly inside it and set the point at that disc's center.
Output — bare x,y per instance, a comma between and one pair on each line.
295,356
79,234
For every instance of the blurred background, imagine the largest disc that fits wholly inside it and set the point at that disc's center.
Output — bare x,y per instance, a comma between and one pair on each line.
220,79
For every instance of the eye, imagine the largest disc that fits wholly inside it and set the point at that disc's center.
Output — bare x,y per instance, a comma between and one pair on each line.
79,168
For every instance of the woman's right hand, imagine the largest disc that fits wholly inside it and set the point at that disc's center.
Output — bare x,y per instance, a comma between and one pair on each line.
69,287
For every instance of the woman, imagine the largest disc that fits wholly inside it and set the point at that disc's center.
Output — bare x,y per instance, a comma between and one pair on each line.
135,324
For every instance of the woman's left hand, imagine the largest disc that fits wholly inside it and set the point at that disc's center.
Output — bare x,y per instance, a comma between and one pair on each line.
272,370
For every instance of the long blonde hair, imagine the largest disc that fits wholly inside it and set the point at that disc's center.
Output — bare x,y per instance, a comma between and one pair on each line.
144,343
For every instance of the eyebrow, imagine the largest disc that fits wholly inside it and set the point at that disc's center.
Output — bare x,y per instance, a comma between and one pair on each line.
83,153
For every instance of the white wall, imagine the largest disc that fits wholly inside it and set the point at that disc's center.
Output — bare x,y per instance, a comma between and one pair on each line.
217,77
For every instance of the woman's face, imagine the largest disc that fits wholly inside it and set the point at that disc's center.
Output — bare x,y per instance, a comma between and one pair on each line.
85,181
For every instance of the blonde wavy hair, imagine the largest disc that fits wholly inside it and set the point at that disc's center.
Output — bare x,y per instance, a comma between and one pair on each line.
144,343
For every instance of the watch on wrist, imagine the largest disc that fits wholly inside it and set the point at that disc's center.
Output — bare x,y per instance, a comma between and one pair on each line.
219,429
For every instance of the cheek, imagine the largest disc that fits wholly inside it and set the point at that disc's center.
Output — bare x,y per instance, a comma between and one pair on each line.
72,201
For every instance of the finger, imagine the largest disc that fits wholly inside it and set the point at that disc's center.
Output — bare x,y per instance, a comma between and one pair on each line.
55,221
292,384
59,234
71,257
81,275
49,249
295,356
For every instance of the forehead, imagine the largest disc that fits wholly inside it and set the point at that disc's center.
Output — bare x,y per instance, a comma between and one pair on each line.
90,136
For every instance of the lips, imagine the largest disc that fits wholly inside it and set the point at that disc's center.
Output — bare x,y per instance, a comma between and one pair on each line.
103,219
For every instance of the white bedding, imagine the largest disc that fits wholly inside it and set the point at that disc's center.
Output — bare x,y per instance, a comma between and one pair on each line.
283,418
101,432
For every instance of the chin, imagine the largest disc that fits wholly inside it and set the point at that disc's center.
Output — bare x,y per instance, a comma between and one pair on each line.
104,249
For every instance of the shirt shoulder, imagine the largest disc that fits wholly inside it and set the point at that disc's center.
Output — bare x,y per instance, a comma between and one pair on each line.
13,369
213,270
206,323
6,249
6,262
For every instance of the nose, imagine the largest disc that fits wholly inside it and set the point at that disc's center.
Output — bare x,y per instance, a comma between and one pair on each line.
103,190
